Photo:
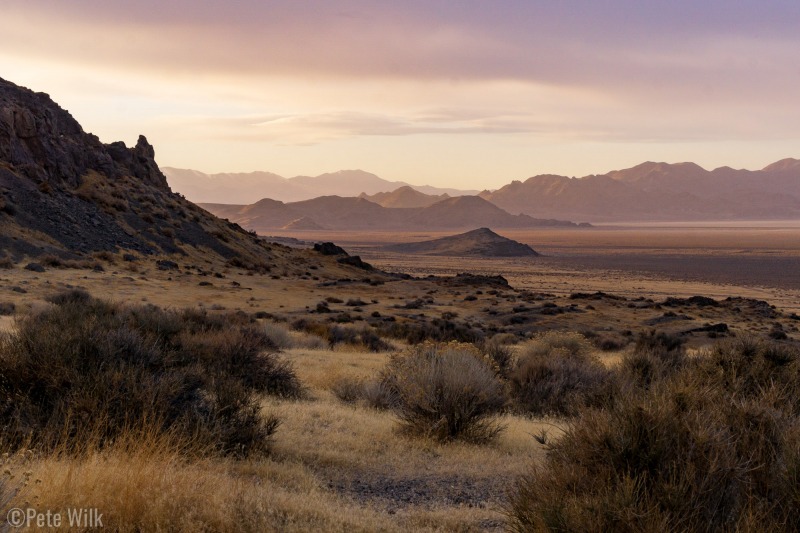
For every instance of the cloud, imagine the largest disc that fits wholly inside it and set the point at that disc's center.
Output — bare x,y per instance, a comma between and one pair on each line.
708,50
516,77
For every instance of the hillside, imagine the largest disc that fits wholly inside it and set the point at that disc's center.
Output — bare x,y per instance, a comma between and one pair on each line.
66,195
404,197
239,188
481,242
338,213
660,192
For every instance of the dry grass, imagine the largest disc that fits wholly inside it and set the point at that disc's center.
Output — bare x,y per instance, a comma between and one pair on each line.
324,455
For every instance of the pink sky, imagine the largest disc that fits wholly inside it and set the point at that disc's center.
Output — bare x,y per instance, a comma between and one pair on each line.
463,94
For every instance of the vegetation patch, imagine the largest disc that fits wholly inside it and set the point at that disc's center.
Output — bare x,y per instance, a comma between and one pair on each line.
86,371
446,392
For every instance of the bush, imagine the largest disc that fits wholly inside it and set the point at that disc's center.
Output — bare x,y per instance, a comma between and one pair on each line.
556,375
655,357
278,335
335,335
501,355
714,448
376,393
446,392
437,330
69,296
86,371
748,366
658,340
7,308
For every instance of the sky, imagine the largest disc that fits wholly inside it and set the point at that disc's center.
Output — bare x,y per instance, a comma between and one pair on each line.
467,94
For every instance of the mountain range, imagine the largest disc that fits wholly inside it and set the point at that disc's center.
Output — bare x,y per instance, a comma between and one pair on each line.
240,188
653,192
352,213
660,192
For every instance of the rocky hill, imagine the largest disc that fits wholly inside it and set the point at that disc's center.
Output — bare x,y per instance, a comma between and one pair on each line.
660,192
65,193
350,213
481,242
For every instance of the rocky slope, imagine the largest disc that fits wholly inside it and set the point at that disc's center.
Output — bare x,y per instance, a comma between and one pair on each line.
63,192
481,242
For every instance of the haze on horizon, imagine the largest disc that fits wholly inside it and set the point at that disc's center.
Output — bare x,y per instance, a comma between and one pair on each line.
452,94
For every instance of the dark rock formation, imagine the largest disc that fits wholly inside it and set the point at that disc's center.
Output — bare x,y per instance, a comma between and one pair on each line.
46,144
481,242
328,248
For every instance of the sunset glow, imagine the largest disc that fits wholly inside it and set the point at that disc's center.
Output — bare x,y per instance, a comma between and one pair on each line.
454,94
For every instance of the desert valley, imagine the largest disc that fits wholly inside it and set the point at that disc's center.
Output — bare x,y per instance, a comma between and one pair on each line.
395,360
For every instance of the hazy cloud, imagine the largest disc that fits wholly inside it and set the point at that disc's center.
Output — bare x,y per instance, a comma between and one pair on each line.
528,73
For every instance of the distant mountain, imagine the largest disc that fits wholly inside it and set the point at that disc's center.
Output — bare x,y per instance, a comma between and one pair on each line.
404,197
240,188
350,213
481,242
660,192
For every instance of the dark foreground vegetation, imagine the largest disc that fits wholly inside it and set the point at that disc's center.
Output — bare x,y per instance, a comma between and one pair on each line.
707,443
661,440
85,372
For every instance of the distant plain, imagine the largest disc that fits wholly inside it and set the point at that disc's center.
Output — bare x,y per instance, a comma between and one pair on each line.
754,259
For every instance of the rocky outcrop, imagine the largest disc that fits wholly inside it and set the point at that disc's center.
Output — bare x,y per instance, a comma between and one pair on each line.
481,242
46,144
64,192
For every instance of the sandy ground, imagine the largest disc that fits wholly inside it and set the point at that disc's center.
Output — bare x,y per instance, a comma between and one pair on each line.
758,260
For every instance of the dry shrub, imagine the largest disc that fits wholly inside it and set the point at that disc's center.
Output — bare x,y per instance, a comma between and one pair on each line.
7,308
335,335
435,330
6,263
84,372
715,447
656,356
500,354
557,375
278,335
375,393
446,392
69,296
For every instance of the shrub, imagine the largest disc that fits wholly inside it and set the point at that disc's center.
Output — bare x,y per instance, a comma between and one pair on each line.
376,393
437,330
446,392
705,450
278,335
748,366
501,355
348,389
86,371
7,308
69,296
556,375
658,340
655,357
335,335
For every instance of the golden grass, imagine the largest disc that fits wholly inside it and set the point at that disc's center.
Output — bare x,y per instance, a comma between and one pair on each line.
144,483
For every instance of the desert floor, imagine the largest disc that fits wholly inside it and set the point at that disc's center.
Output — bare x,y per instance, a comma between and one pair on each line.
340,466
